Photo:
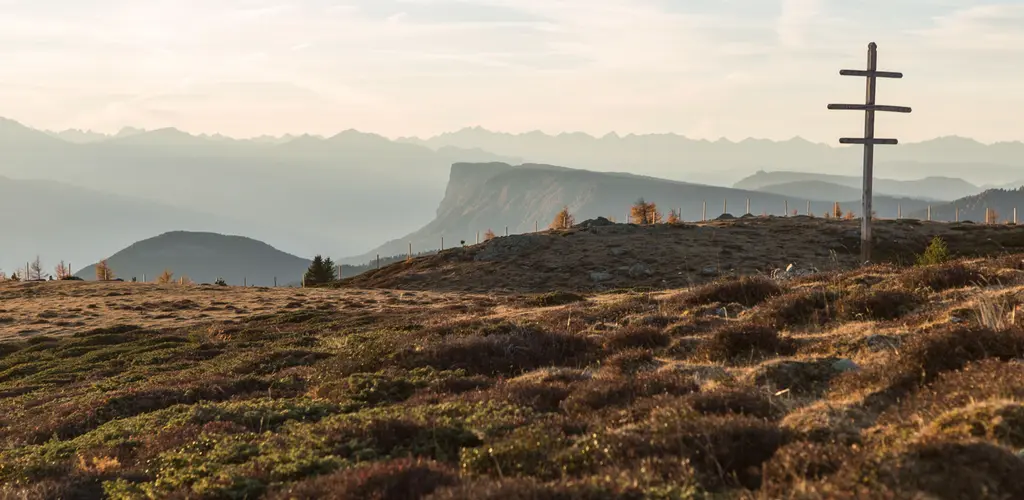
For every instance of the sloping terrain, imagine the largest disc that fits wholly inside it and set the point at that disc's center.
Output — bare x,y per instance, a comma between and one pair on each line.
928,188
874,383
814,189
603,257
62,222
204,257
973,208
270,189
493,196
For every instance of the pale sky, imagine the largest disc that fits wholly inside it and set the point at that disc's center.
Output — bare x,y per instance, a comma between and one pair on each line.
702,68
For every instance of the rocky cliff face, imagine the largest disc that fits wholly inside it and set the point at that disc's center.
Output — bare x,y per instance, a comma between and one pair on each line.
494,196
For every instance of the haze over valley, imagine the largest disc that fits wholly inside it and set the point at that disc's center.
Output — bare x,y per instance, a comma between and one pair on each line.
355,195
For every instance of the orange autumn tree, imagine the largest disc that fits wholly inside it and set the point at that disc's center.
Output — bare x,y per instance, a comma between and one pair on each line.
103,271
644,213
563,219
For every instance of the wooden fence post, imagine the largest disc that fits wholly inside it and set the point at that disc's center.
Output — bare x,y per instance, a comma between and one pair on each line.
929,213
748,206
704,212
899,211
378,262
808,207
725,206
786,213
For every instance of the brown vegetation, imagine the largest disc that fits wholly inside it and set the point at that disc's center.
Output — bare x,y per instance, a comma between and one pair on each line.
877,382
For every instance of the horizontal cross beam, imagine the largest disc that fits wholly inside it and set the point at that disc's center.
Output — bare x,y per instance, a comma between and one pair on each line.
860,140
876,74
870,107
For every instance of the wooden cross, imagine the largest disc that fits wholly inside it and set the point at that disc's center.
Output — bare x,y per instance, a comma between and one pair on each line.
869,141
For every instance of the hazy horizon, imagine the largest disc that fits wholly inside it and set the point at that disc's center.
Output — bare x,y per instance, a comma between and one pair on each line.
398,68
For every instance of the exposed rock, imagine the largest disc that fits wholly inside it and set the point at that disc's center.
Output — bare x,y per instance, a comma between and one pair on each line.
598,222
600,276
881,342
503,248
709,271
639,270
792,271
845,365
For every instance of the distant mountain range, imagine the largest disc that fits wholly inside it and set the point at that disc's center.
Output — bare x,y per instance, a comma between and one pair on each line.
723,162
836,187
344,194
495,195
341,195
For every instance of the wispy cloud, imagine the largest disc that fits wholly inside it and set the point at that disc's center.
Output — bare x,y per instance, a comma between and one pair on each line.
711,68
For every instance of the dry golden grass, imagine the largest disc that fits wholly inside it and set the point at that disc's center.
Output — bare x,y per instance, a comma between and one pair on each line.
878,382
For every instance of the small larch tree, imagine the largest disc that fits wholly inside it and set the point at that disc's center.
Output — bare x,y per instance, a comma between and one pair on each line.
849,215
673,217
489,235
837,211
563,219
165,277
103,271
35,270
644,213
63,271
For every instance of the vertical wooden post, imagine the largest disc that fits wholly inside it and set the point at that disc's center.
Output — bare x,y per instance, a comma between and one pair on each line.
957,210
410,249
869,108
748,207
899,211
478,237
442,242
245,281
275,281
704,212
535,227
725,206
506,230
786,214
378,262
929,213
808,207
